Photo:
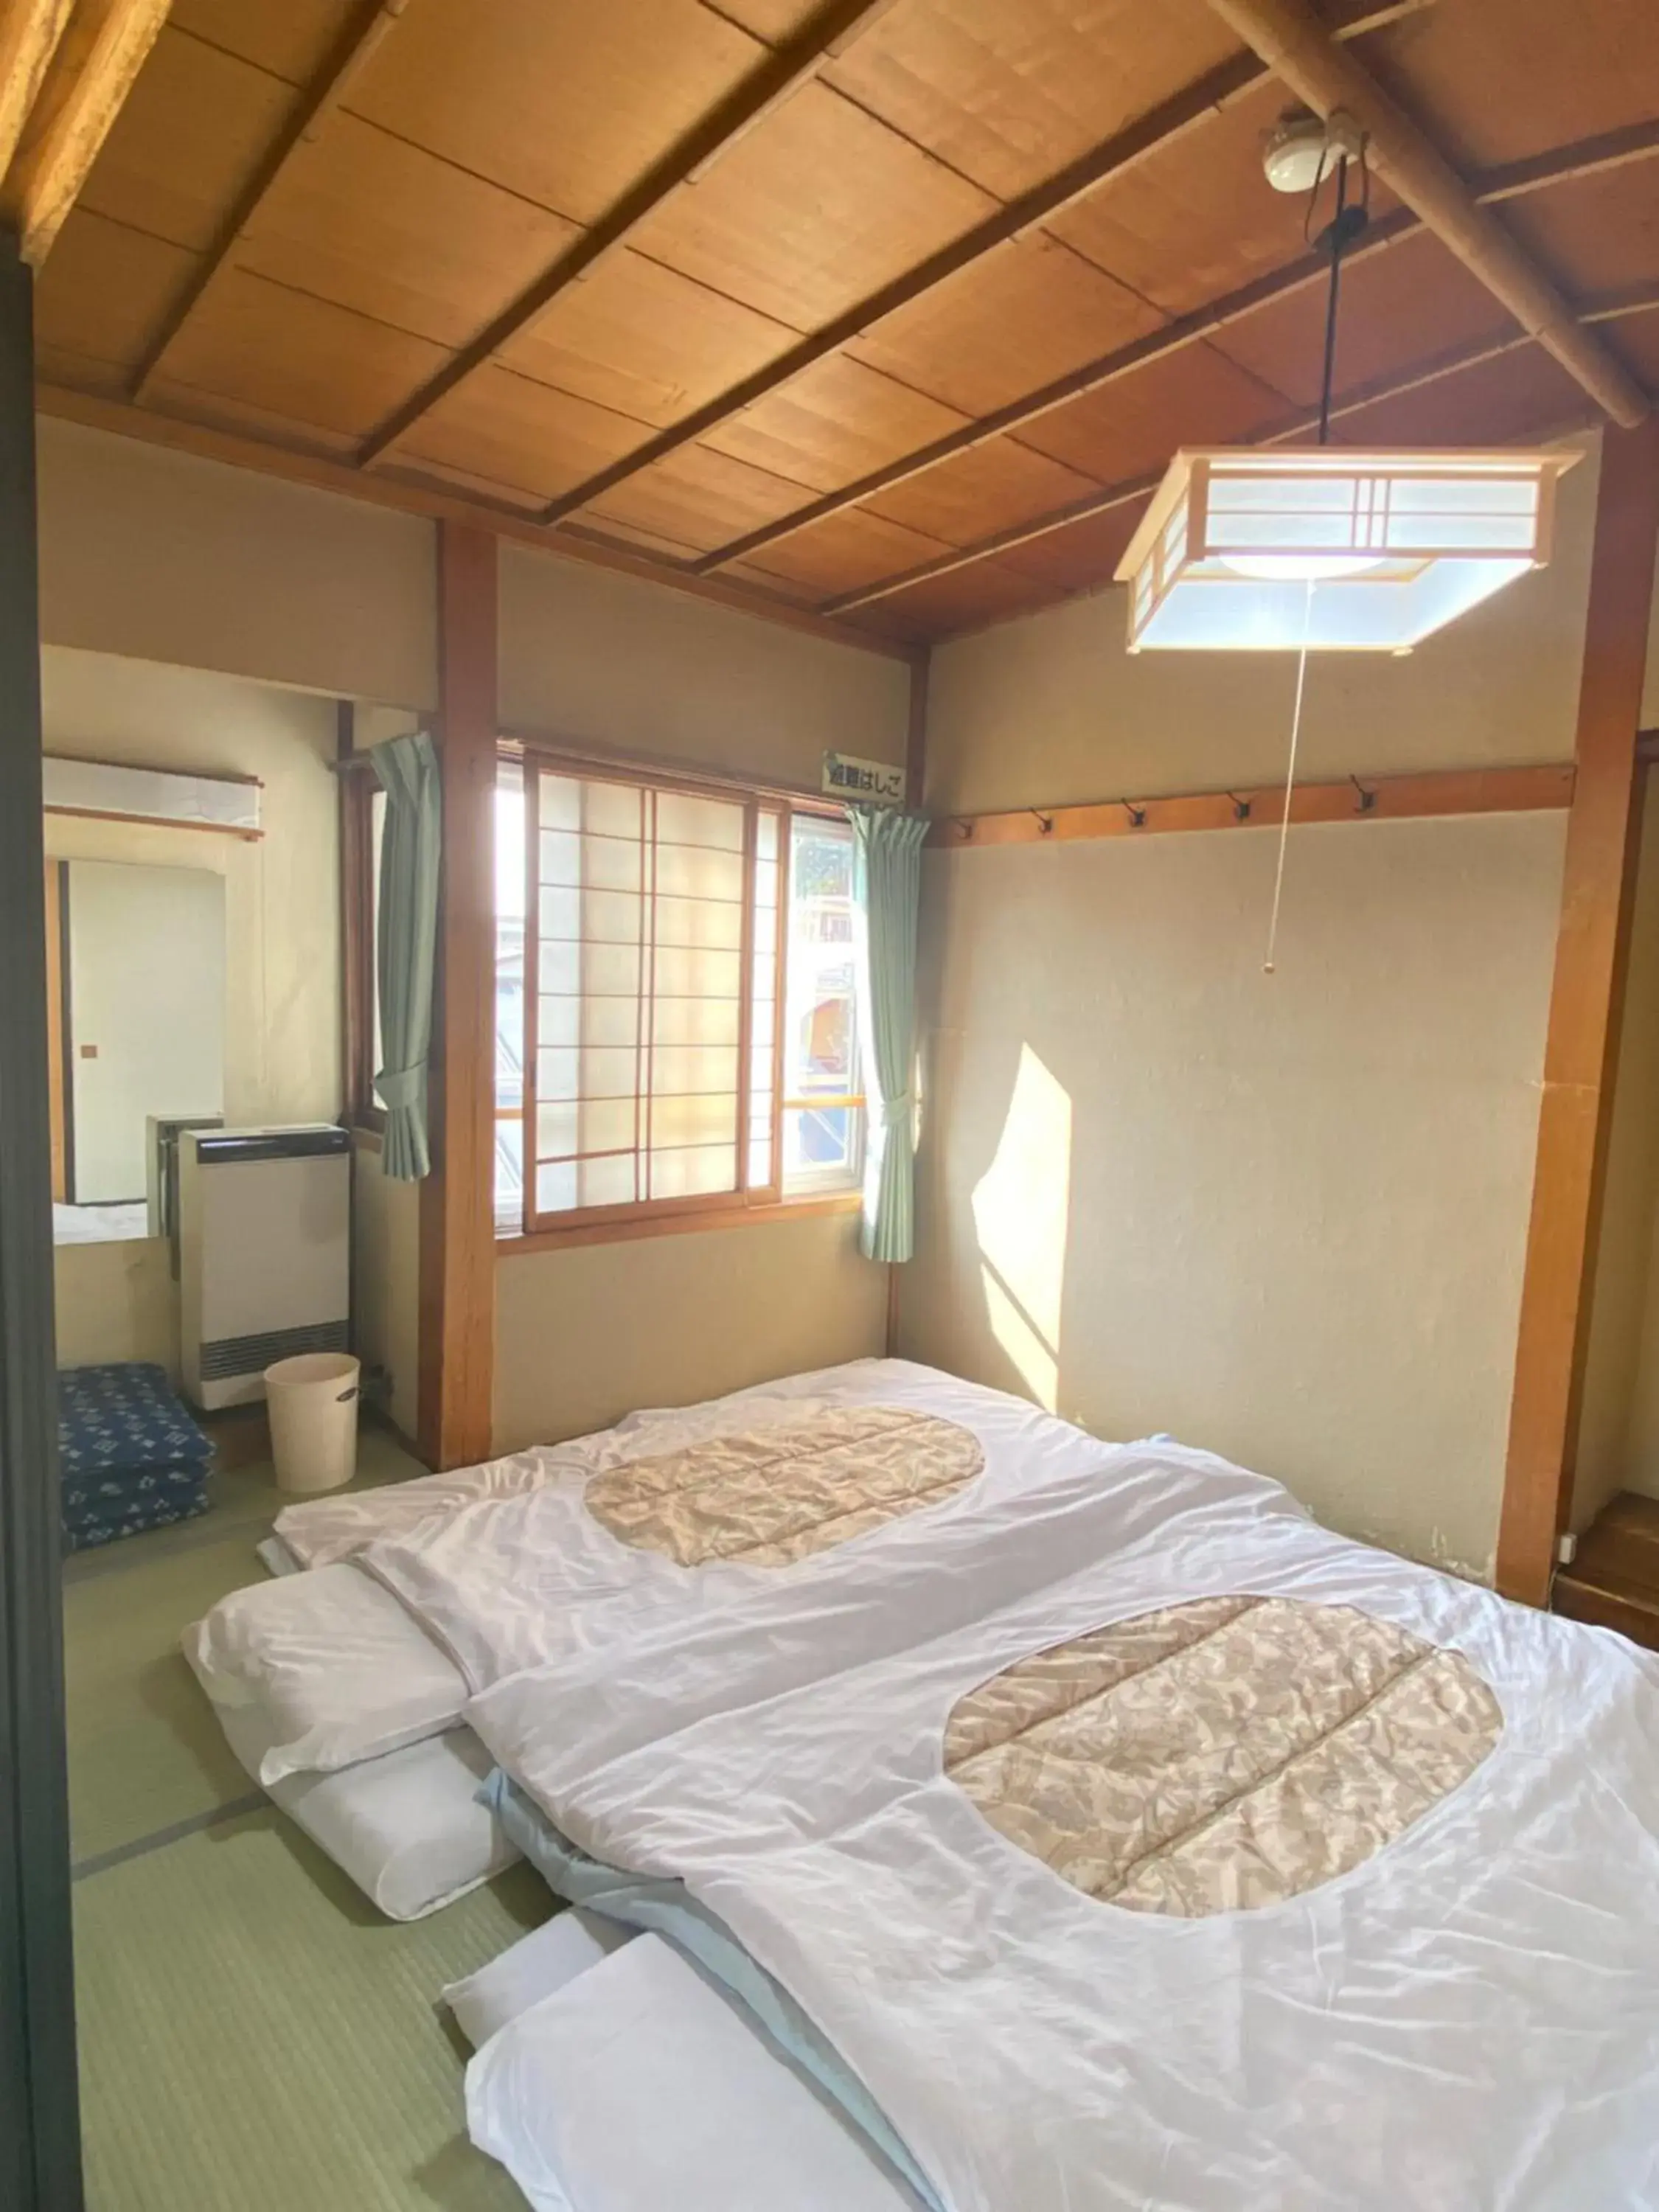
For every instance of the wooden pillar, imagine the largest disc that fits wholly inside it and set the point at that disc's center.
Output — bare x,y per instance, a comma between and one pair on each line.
1581,1049
458,1229
39,2127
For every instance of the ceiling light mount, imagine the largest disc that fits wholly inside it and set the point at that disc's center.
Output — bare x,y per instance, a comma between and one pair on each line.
1303,148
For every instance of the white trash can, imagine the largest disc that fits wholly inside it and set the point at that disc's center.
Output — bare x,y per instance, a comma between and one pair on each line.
312,1403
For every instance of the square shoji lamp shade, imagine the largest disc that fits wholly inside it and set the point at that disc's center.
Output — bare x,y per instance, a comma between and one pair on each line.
1343,550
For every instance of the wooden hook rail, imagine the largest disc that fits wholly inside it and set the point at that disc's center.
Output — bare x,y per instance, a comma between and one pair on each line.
1376,798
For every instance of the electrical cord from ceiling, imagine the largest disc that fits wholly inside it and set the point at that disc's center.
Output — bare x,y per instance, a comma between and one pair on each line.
1346,226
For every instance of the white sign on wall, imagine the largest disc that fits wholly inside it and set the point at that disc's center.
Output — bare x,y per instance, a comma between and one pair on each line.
877,782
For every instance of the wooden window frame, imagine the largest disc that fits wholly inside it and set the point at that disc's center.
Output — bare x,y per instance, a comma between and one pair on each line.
634,1218
358,785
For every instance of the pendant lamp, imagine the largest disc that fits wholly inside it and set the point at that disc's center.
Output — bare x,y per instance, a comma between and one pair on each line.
1247,549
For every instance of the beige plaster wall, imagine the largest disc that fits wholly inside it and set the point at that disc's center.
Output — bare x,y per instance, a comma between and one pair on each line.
586,1335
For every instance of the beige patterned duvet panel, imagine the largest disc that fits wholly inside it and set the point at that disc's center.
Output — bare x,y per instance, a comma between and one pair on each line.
1226,1753
776,1495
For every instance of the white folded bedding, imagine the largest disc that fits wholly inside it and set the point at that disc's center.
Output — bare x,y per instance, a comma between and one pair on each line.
407,1828
1467,2017
639,2087
532,1969
335,1668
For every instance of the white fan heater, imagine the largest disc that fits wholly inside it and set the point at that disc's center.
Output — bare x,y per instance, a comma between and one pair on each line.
264,1254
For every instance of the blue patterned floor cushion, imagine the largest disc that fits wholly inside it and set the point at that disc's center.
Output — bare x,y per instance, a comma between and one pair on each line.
132,1458
123,1415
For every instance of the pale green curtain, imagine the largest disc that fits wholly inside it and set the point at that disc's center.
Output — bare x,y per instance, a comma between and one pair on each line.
406,942
887,891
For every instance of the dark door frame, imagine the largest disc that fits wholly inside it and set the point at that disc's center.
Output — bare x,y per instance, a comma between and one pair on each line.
40,2104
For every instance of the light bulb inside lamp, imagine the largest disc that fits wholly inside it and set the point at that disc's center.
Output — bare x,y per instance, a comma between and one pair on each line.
1300,568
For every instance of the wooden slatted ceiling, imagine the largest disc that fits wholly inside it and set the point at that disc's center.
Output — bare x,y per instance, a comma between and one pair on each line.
481,137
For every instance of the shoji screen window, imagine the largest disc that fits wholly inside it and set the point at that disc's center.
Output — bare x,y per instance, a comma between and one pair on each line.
670,1007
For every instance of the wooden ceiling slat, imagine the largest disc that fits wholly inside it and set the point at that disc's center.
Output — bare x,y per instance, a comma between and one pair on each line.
1396,307
1495,81
696,495
104,289
523,435
1006,95
1294,43
1184,111
964,599
814,213
859,547
1016,318
360,38
988,489
838,421
1605,230
776,78
380,226
642,338
295,356
245,418
30,31
1192,397
197,126
1083,557
1613,158
567,102
288,38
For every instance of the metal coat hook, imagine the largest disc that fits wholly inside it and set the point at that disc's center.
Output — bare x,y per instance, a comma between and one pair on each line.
1241,807
1367,798
1137,814
1045,823
963,829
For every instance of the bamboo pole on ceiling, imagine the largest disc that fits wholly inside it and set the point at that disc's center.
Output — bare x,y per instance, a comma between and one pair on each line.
1300,50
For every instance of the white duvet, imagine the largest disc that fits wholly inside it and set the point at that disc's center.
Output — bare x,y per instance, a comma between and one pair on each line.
1468,2022
508,1584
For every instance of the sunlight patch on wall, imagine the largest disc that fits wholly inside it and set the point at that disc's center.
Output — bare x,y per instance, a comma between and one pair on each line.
1021,1206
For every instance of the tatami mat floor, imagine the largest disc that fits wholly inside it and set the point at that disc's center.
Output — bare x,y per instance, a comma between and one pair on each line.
254,2036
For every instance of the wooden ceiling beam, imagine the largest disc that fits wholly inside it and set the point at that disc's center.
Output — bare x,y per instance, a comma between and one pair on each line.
405,495
1183,110
1111,496
1565,164
100,54
30,31
779,75
359,39
1300,50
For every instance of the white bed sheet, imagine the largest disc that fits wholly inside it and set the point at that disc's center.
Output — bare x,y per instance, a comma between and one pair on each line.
1470,2019
639,2087
407,1828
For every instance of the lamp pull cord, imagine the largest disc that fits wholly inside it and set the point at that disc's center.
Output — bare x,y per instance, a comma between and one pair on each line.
1290,782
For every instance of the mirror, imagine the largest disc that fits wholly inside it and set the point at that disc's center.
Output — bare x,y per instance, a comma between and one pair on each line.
135,993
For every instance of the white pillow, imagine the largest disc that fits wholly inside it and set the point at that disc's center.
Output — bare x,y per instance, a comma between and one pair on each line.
641,2087
336,1670
532,1969
407,1828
